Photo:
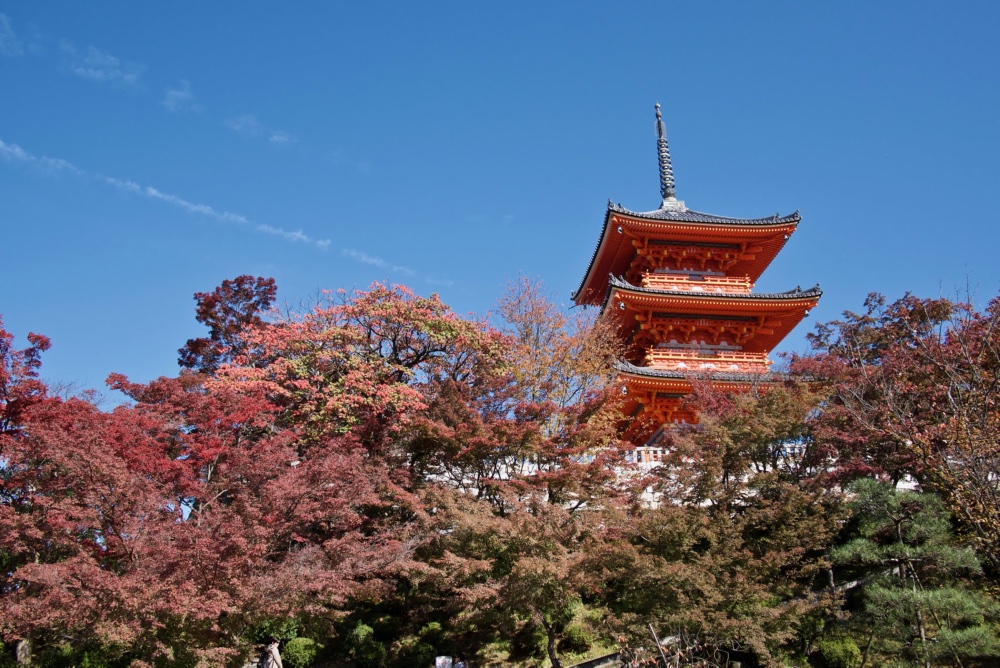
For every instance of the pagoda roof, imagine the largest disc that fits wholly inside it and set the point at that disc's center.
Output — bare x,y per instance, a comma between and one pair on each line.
673,221
649,386
674,374
616,283
678,383
775,313
682,214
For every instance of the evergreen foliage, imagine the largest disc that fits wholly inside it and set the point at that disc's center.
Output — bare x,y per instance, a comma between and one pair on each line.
919,596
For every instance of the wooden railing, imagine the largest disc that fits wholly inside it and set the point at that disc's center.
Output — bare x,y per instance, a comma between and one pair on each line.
687,283
707,360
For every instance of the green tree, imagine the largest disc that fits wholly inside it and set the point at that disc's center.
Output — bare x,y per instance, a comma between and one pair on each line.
919,603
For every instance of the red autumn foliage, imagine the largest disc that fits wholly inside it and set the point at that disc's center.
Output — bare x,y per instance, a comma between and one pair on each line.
19,383
229,312
379,456
913,393
265,490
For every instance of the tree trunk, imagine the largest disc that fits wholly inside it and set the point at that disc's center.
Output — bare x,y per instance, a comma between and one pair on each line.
550,632
920,615
659,647
868,647
923,638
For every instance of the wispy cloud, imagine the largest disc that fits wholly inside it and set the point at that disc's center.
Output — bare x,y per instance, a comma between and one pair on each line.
129,186
192,207
14,153
443,282
248,125
92,63
180,98
100,66
281,138
10,45
361,256
293,235
382,263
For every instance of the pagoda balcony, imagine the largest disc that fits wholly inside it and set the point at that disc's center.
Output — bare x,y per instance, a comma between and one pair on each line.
697,283
707,361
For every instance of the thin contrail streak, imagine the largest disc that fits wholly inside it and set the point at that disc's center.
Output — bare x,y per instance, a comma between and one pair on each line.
13,152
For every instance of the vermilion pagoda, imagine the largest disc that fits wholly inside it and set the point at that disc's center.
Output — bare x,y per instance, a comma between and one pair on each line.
679,283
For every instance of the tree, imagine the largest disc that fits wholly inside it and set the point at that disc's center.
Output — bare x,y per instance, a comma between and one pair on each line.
515,555
75,524
287,458
732,557
229,311
515,470
919,602
914,395
20,387
556,357
219,507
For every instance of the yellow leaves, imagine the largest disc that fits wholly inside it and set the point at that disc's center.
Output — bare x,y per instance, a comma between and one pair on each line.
556,357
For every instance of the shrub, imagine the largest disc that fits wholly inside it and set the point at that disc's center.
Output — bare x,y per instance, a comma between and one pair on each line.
431,632
837,653
528,643
416,654
300,652
576,640
64,655
266,630
366,651
6,656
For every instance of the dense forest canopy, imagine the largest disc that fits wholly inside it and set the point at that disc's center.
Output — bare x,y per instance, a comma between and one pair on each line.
375,481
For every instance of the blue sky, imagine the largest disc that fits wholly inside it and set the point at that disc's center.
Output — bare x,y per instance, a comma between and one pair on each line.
150,151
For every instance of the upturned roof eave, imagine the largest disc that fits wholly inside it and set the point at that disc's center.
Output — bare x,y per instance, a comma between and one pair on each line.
615,283
682,214
629,369
593,258
709,220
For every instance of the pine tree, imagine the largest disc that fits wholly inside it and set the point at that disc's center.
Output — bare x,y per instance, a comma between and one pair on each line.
919,603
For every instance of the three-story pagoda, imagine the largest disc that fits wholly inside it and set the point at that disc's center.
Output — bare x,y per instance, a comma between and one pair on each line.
680,285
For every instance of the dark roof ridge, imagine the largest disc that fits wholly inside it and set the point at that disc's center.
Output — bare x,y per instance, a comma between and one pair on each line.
685,215
689,217
796,293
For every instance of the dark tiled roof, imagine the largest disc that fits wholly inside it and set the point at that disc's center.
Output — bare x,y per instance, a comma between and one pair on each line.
797,293
682,215
626,367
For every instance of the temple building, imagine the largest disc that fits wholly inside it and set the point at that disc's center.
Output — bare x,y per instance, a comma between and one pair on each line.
679,284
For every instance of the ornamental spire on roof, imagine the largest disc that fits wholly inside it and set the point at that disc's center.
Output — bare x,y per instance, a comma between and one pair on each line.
667,189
